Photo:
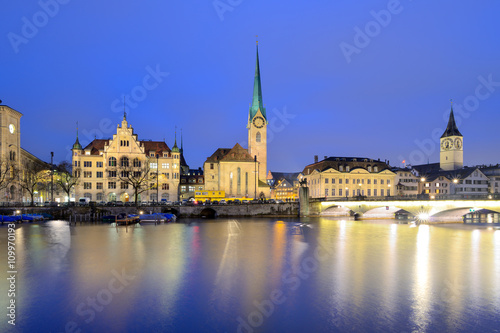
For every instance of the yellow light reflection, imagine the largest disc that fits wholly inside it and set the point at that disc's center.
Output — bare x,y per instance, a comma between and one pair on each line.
421,287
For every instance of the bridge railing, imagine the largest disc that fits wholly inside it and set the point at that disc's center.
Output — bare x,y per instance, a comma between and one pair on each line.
419,197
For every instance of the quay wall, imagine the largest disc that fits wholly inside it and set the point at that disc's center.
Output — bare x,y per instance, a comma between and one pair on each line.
89,213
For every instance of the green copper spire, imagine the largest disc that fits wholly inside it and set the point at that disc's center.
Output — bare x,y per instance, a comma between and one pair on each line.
175,149
77,144
257,92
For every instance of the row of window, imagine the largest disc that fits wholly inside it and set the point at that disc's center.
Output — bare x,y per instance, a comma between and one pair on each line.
123,174
357,192
354,181
112,196
190,188
123,186
192,180
124,162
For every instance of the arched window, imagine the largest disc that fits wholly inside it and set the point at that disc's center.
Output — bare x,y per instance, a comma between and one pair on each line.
88,195
246,182
137,163
238,188
231,183
124,161
369,168
257,137
112,161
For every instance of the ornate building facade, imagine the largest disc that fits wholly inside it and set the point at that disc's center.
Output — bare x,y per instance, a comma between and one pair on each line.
337,177
109,168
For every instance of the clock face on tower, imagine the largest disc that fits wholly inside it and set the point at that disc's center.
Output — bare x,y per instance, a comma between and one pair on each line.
458,143
447,144
258,122
12,129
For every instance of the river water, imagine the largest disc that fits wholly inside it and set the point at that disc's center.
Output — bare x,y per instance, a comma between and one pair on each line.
254,275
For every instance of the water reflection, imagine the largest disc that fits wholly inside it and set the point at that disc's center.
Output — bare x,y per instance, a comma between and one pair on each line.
421,286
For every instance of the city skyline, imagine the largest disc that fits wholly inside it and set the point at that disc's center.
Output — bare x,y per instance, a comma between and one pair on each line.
374,81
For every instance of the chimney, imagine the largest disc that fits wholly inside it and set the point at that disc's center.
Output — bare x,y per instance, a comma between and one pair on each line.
315,158
326,157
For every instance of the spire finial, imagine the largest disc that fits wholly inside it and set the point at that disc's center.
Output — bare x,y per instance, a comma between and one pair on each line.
124,112
77,144
257,39
451,101
175,148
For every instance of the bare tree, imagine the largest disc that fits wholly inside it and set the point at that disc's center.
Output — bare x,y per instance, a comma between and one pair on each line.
8,173
137,174
67,177
33,177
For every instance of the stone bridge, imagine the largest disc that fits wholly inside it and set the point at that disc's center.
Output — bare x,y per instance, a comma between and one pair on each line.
426,210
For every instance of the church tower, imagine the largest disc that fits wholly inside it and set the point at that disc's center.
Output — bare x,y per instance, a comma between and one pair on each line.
452,153
257,125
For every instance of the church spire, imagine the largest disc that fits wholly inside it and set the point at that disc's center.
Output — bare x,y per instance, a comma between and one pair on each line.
175,149
77,144
257,92
451,129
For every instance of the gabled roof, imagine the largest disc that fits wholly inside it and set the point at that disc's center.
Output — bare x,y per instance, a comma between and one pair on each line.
96,146
288,176
427,168
218,154
450,175
155,146
237,154
451,129
353,162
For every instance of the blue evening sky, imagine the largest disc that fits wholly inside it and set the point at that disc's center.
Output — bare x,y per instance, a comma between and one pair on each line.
339,78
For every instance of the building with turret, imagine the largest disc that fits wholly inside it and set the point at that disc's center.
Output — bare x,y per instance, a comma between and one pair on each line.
112,169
